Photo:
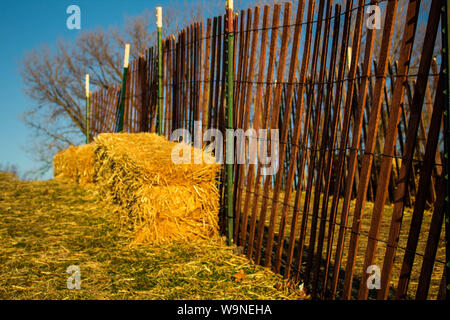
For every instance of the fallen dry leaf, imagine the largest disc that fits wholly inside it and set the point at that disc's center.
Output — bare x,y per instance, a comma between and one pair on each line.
239,276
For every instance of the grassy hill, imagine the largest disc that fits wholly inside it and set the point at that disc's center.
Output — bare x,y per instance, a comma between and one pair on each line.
47,226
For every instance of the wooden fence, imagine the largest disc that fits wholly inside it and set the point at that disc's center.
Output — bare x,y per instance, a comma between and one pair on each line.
359,188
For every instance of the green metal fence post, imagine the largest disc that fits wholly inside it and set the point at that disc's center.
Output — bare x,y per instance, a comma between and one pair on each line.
160,86
87,108
124,88
229,126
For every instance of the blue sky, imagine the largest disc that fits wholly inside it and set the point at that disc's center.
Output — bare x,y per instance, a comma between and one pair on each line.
26,24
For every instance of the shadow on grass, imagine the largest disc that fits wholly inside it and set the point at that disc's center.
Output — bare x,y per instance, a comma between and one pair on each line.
302,275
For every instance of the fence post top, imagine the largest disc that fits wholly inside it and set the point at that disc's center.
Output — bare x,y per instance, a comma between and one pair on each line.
87,85
159,17
229,4
127,55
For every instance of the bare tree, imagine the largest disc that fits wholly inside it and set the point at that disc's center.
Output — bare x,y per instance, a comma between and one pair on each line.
53,75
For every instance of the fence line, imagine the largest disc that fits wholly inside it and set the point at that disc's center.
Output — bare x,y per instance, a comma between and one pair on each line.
360,178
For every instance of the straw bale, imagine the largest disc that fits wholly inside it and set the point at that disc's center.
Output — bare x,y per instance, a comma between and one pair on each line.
75,164
64,164
160,200
175,213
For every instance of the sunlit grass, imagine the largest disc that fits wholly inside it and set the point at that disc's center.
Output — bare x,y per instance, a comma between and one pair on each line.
47,226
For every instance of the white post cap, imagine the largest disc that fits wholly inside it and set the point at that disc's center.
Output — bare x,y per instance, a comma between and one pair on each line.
127,55
87,85
159,17
230,4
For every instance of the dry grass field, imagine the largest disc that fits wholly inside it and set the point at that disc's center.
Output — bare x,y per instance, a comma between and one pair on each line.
47,226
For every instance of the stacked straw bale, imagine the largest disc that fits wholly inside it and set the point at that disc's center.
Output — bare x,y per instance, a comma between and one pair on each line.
159,199
75,164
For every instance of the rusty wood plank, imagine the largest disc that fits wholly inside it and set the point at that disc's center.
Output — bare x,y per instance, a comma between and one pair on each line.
266,117
296,134
355,107
190,79
438,167
97,111
241,110
256,124
181,81
419,205
391,136
133,98
411,139
267,181
115,108
238,77
240,103
221,107
109,117
166,88
432,244
344,131
239,95
199,70
356,139
206,76
187,80
169,87
403,122
412,189
213,63
394,177
428,104
316,121
126,125
169,93
193,82
133,108
197,78
107,108
94,120
253,151
112,110
143,94
371,195
218,72
103,111
184,82
319,139
152,105
285,127
330,141
175,84
100,110
91,111
276,113
199,102
130,98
